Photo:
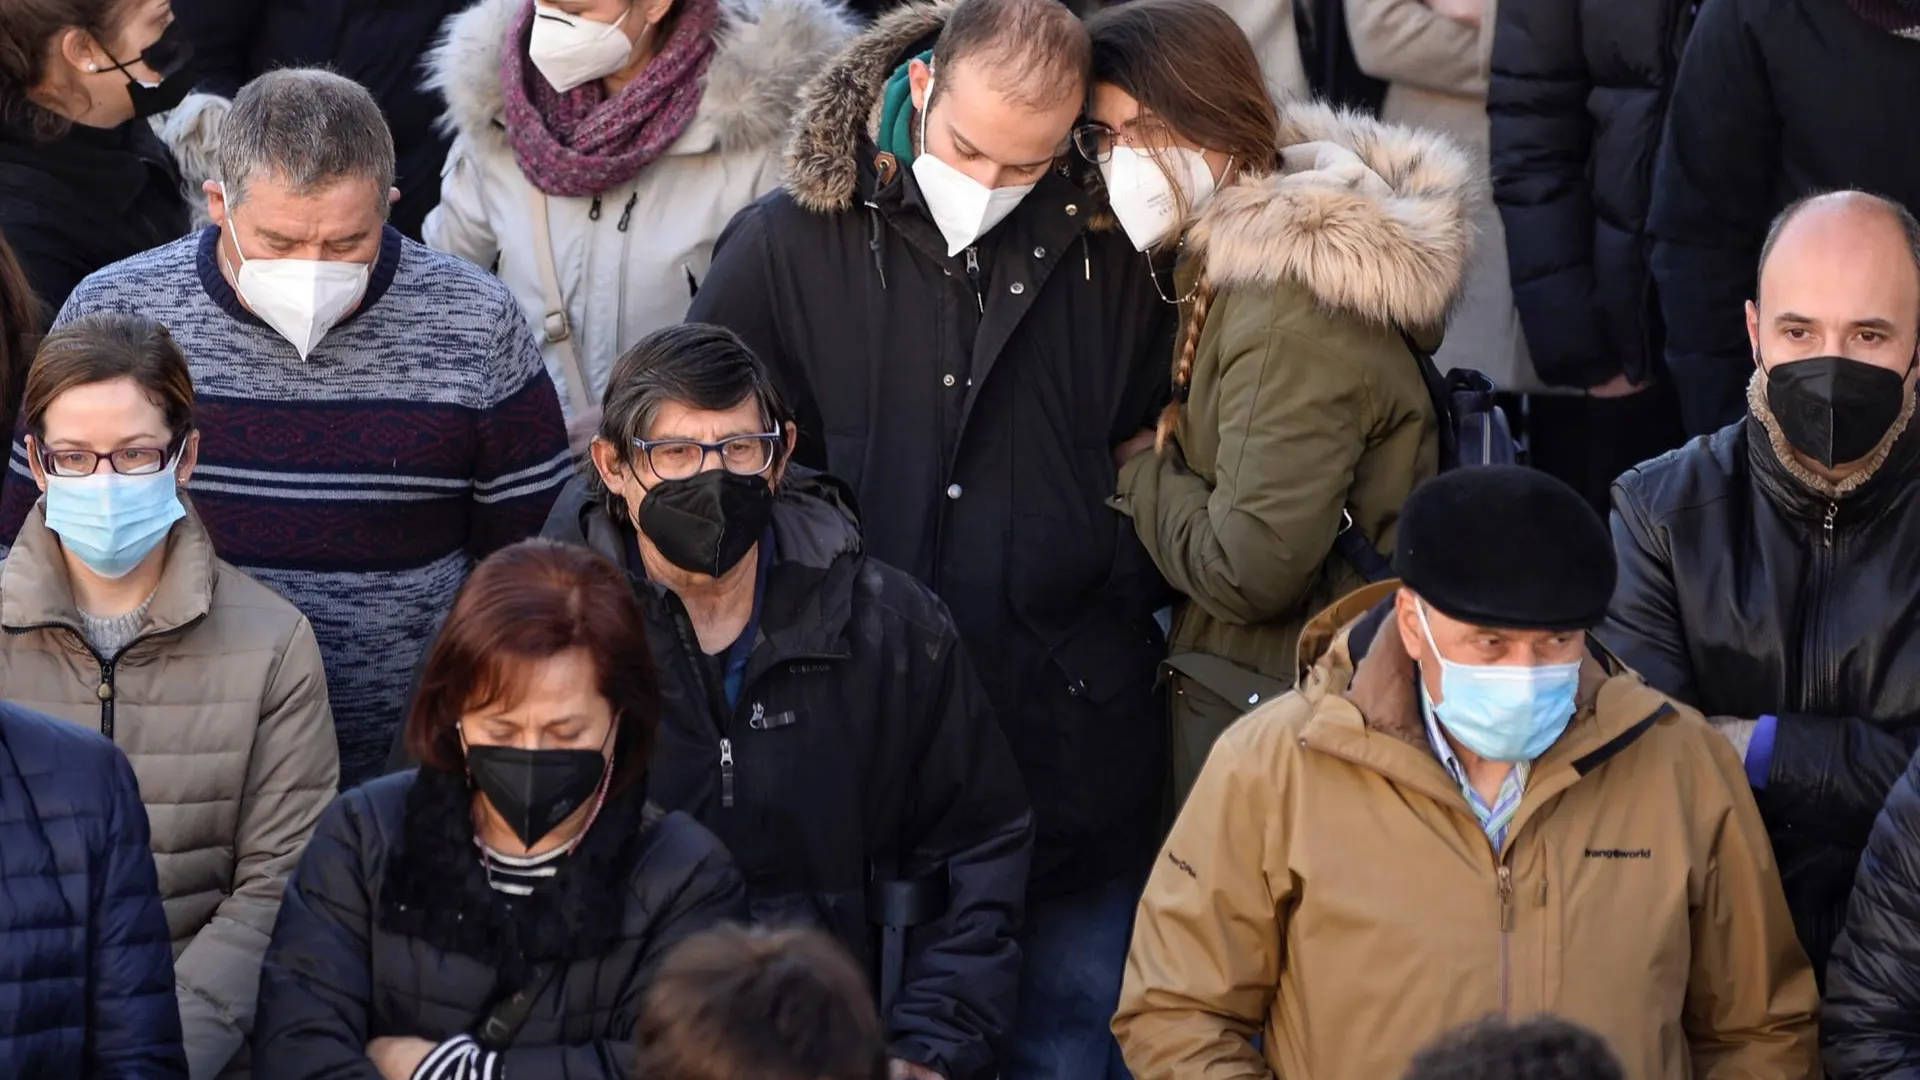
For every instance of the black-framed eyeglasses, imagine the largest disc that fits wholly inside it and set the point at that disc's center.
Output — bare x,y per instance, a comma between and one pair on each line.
127,461
1095,141
742,455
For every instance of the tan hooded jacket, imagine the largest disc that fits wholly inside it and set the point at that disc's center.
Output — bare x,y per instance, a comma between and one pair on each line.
221,706
1329,889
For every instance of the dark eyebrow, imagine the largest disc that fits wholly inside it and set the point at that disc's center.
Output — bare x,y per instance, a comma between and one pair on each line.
1791,317
967,147
1885,326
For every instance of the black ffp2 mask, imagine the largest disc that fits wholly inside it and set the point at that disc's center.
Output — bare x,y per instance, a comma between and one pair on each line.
708,522
533,791
168,58
1832,409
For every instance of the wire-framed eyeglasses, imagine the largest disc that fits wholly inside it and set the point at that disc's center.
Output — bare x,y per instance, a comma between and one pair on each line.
742,455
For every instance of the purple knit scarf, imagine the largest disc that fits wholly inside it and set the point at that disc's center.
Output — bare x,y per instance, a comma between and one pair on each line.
1894,16
582,142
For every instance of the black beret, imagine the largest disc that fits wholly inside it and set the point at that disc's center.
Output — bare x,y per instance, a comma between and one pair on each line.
1503,545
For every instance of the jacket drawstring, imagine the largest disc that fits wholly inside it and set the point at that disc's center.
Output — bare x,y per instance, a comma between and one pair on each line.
873,244
1086,257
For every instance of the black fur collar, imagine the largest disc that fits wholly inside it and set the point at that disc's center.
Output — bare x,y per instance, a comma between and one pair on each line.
436,890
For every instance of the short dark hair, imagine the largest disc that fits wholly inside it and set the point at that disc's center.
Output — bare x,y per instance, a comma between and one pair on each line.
526,603
1541,1048
696,365
100,348
310,129
1909,225
1033,46
754,1004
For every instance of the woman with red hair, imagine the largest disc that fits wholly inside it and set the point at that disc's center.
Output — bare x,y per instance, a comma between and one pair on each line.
501,909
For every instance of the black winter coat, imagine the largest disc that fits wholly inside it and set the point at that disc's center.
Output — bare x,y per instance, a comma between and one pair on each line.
1775,99
86,200
973,404
376,43
1873,981
1577,100
1744,593
389,928
86,970
861,742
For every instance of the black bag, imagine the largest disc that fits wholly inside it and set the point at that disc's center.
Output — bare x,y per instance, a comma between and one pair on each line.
509,1015
1473,431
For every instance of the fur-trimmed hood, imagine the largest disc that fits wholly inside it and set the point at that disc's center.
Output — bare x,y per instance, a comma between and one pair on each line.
767,51
841,106
1371,218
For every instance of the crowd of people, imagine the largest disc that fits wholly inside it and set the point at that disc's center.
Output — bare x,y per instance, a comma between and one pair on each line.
935,539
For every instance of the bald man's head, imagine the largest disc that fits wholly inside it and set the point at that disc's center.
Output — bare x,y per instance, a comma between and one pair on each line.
1839,276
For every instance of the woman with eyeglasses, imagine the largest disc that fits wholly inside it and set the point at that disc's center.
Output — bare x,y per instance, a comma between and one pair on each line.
119,616
500,911
1304,243
84,181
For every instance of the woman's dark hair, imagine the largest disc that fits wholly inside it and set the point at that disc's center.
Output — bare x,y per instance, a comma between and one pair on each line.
694,365
20,324
1542,1048
28,29
100,348
736,1003
525,604
1190,67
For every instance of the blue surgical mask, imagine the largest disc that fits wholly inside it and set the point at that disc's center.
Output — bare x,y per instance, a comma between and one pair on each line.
1503,713
112,521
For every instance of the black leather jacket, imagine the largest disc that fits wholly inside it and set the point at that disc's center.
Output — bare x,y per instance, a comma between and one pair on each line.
1746,592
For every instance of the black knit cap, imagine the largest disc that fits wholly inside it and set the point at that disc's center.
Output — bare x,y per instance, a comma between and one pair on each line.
1506,546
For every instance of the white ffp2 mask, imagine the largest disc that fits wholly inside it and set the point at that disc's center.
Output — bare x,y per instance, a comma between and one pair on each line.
963,208
301,299
570,51
1142,195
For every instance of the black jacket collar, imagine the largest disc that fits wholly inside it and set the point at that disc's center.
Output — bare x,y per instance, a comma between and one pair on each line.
436,889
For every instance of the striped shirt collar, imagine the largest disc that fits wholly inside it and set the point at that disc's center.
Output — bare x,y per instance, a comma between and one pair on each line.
1494,819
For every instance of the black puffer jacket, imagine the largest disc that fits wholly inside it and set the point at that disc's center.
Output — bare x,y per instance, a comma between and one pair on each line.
389,928
86,200
1577,99
1775,99
1745,592
977,429
861,743
1873,981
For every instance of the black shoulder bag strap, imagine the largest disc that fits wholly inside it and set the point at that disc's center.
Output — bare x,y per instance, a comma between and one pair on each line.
1355,545
509,1015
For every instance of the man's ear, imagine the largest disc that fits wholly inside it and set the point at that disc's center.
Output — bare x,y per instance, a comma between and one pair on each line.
1406,619
612,469
216,194
786,452
919,82
33,462
1753,330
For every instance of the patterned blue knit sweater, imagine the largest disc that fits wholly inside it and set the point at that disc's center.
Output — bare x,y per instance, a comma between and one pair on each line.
420,435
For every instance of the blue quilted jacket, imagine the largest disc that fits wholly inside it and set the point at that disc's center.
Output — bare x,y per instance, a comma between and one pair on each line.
86,971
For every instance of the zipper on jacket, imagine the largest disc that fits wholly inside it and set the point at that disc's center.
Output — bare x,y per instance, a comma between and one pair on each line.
973,277
1833,510
726,772
593,212
626,215
106,698
1506,939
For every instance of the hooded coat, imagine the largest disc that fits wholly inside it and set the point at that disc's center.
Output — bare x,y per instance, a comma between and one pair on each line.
1329,889
628,259
1305,406
220,703
973,403
1751,587
862,745
86,981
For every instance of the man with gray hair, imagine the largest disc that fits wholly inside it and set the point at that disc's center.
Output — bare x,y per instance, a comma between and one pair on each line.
1766,571
374,416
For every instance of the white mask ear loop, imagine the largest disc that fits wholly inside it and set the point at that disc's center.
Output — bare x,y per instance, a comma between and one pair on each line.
924,113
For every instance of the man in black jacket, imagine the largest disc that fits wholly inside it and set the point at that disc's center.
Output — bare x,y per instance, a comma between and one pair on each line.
376,43
966,339
1576,102
821,716
1775,99
1767,574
